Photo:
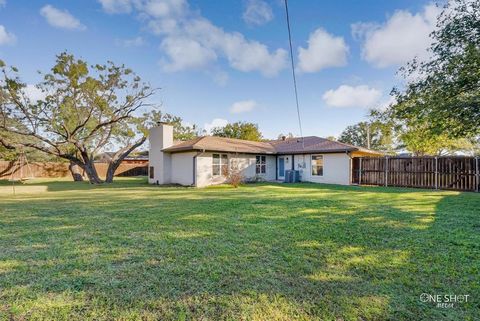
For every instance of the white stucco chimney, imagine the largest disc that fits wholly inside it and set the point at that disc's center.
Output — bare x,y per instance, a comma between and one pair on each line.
159,163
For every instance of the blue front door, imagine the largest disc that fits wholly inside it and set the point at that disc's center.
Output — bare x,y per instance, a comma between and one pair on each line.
281,167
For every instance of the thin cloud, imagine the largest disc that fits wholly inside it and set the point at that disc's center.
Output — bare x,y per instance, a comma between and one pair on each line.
6,38
217,122
347,96
133,42
190,41
243,106
257,13
61,18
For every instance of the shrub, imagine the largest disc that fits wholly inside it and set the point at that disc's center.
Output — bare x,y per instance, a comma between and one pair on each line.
234,175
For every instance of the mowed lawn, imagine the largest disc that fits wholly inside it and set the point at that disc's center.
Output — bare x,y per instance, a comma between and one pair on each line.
130,251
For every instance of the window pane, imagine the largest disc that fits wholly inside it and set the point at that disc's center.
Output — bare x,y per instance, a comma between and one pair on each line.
257,169
216,170
224,159
264,159
317,165
152,175
216,158
257,159
264,169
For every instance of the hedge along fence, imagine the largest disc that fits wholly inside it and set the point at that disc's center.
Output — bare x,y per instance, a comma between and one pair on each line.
448,172
52,169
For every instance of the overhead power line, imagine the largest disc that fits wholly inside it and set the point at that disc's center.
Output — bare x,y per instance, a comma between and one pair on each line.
293,72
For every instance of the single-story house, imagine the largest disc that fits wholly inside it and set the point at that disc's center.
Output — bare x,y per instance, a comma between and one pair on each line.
204,160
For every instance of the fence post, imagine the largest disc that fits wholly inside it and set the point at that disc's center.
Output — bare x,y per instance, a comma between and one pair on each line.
436,172
360,172
386,171
477,174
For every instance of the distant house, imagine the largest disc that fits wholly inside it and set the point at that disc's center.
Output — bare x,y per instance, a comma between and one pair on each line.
203,161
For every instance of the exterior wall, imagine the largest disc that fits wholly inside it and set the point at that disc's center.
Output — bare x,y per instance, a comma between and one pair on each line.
182,168
160,137
336,168
245,162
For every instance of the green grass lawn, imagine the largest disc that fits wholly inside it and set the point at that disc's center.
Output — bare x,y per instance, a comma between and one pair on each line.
71,251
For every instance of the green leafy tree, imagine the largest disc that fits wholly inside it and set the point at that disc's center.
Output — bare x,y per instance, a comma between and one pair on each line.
420,139
85,108
420,142
445,92
281,135
332,138
180,130
373,135
239,130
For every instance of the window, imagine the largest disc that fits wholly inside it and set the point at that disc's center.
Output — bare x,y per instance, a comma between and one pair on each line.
219,164
261,165
317,165
151,172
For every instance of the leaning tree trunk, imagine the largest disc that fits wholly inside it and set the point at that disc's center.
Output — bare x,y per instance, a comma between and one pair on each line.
92,174
112,168
75,171
119,157
90,169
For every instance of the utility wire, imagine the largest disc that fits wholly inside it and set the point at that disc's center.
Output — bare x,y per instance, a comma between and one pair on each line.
293,72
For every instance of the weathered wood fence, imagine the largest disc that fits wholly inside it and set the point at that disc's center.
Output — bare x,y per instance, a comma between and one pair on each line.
450,172
52,169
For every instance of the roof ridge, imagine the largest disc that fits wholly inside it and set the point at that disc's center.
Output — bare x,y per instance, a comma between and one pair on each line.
236,139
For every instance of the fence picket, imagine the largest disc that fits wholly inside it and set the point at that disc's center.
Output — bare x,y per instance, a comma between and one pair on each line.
446,172
52,169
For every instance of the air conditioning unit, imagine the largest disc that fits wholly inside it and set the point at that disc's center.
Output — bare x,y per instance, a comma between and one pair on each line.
292,176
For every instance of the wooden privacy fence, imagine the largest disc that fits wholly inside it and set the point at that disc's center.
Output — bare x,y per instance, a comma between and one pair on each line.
52,169
449,172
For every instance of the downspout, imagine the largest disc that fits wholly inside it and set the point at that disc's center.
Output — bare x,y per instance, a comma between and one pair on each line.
195,167
293,162
276,167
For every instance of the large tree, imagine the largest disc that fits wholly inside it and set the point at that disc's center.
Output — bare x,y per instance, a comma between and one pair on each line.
84,109
239,130
373,134
443,92
420,142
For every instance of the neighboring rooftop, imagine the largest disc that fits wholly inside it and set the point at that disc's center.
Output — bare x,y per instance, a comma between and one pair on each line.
297,145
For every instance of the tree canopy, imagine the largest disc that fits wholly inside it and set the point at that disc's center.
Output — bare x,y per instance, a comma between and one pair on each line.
374,135
443,93
85,109
239,130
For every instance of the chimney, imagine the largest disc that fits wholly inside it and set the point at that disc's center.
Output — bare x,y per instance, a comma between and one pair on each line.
284,137
159,137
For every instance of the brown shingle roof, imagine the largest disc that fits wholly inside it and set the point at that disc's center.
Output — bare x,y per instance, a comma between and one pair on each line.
310,144
221,144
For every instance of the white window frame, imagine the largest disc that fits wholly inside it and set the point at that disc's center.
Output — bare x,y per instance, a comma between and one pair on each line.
311,165
222,163
260,165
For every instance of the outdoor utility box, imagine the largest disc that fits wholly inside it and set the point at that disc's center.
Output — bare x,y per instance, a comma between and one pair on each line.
292,176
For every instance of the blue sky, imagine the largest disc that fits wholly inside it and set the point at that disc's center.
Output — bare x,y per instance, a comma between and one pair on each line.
219,61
